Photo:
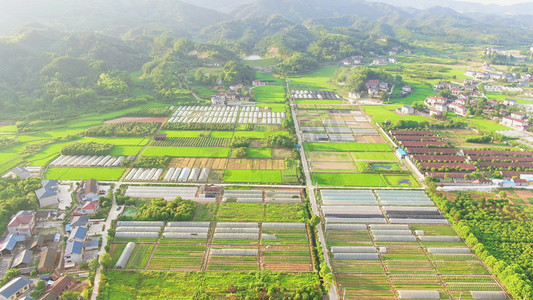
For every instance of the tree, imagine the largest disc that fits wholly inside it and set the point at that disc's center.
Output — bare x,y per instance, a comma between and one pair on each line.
240,152
70,295
39,285
94,264
105,260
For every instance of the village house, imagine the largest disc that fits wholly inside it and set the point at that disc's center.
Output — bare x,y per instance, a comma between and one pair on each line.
510,102
407,89
380,62
515,123
78,234
89,190
57,288
22,223
48,194
89,207
8,244
408,110
15,288
73,252
458,109
461,101
47,260
22,259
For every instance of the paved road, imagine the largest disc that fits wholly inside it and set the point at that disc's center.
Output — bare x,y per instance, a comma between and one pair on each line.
332,293
113,215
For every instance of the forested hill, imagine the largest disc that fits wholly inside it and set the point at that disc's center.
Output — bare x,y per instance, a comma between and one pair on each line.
300,10
114,17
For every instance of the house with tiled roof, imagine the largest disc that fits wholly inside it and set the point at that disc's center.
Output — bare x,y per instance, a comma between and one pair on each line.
89,207
47,260
48,194
22,223
59,287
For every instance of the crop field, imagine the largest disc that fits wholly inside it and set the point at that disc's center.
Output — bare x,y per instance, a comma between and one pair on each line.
253,176
192,142
254,212
105,174
182,134
379,114
270,94
140,256
172,257
186,152
401,264
259,153
373,156
259,134
189,285
315,80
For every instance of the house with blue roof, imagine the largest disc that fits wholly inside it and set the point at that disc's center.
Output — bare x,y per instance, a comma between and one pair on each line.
79,221
78,234
15,288
73,252
10,242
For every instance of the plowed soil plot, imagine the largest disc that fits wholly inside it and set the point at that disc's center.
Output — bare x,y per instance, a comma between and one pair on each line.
193,162
137,119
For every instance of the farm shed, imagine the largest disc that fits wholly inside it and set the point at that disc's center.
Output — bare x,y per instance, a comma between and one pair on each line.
353,249
345,227
412,294
184,235
125,256
355,256
141,223
123,234
138,229
486,295
447,250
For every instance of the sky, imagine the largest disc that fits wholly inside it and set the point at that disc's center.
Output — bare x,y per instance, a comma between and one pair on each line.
499,2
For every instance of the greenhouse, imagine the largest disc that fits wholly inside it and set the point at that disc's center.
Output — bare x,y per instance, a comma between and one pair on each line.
486,295
137,229
141,223
355,256
345,227
449,250
183,235
136,234
353,249
125,256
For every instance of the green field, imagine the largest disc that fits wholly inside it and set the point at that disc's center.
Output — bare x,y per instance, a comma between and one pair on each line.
355,147
186,152
253,176
269,94
345,179
316,80
126,150
222,134
259,153
108,174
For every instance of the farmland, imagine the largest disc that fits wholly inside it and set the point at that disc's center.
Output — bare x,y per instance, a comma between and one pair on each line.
74,174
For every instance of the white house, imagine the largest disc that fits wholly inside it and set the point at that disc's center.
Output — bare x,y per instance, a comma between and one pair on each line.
48,194
458,109
408,110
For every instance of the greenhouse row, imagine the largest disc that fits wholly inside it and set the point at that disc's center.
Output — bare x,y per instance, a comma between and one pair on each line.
142,174
187,174
168,193
244,196
88,160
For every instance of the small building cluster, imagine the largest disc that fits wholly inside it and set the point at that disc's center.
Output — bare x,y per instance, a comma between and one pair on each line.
235,95
375,87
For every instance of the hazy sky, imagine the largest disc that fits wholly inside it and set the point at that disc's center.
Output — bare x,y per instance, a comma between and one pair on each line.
500,2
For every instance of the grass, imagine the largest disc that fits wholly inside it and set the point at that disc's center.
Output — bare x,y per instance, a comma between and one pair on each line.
269,94
108,174
374,156
186,152
259,153
381,113
253,176
364,147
